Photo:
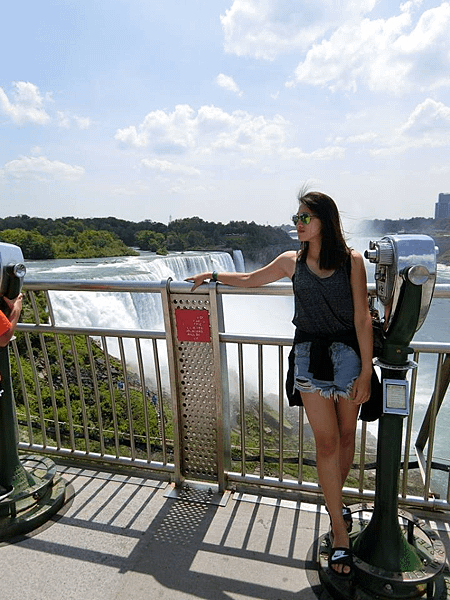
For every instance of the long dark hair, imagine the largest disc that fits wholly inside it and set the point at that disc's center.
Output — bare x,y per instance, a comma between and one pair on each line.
334,248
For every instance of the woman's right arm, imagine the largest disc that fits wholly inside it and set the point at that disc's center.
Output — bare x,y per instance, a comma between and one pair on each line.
282,266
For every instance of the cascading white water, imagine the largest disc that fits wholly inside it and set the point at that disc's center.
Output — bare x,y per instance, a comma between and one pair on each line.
122,310
238,259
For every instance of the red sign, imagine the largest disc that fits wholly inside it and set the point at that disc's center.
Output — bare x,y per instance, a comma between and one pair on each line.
192,325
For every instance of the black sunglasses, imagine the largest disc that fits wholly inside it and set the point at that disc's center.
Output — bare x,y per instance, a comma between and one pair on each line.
305,218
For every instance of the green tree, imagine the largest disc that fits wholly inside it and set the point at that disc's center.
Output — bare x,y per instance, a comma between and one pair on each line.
150,240
34,246
175,241
91,244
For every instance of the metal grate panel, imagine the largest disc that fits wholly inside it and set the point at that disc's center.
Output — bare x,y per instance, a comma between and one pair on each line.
196,396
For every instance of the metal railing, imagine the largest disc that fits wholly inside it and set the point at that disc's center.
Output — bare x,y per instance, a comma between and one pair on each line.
108,396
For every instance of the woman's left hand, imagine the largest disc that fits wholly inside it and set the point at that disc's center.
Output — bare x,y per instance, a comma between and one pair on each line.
361,389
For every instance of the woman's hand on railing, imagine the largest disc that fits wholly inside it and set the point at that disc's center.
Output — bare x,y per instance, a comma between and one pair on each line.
198,279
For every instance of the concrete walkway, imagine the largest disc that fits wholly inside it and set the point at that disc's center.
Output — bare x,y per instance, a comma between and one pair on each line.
121,537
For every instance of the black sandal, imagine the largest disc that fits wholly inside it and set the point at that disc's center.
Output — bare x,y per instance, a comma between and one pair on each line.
341,556
347,516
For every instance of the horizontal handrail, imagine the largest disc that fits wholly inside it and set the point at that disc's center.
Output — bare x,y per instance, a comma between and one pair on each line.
441,290
62,413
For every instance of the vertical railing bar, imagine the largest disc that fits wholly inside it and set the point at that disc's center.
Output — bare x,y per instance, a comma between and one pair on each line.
38,390
222,414
52,390
66,391
128,398
242,409
24,389
144,397
261,410
448,485
81,391
51,314
160,408
171,358
433,426
362,455
96,394
281,413
112,395
301,439
34,306
409,425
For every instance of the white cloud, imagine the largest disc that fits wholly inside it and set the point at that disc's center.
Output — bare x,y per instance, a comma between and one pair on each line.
165,132
66,119
367,137
327,153
267,28
198,189
399,54
210,132
428,117
228,83
428,126
26,106
210,128
165,166
41,168
82,122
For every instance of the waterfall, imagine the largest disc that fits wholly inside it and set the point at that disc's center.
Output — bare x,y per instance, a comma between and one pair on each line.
121,310
238,259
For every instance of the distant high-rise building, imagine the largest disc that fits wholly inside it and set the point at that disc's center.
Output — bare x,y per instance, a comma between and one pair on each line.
442,207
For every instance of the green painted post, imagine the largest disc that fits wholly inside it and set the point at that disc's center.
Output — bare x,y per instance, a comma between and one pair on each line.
382,543
32,492
12,473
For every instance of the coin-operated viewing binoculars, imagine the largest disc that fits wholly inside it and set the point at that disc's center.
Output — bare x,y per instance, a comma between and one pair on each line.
393,557
405,276
29,491
12,270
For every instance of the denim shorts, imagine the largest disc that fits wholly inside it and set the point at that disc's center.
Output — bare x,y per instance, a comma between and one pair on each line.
346,368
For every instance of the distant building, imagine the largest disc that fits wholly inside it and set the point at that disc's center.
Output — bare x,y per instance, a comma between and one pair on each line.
442,207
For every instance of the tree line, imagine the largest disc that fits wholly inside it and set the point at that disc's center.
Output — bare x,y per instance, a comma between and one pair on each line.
70,237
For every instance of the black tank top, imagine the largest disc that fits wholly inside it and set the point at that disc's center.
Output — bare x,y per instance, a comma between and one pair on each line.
323,306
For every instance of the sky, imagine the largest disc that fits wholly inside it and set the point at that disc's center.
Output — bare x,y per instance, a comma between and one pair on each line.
223,109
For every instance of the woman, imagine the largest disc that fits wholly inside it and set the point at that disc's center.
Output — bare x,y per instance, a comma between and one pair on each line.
333,346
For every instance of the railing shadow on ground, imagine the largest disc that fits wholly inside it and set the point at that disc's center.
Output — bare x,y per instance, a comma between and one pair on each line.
188,548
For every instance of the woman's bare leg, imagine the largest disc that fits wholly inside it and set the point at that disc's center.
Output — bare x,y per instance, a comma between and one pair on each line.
347,415
327,420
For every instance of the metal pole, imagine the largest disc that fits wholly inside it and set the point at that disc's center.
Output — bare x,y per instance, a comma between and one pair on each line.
12,474
382,543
